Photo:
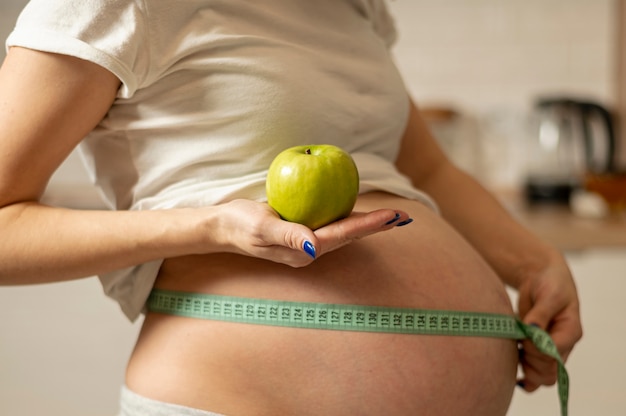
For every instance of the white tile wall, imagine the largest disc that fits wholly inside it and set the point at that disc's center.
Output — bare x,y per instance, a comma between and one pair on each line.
491,60
485,54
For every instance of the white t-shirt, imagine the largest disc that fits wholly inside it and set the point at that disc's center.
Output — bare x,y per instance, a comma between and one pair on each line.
212,90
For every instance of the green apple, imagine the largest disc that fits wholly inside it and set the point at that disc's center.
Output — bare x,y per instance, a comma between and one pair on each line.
313,185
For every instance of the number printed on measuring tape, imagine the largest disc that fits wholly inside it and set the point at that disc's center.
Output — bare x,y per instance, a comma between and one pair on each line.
333,316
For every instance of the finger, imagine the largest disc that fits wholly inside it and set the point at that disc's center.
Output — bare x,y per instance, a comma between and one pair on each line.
289,243
289,240
364,223
534,378
538,368
540,314
297,238
359,225
301,239
565,330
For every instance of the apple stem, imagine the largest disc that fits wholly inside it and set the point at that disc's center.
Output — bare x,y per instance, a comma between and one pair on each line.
307,151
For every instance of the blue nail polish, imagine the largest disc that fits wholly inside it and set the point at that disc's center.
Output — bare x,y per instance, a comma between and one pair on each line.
309,249
521,384
396,218
405,222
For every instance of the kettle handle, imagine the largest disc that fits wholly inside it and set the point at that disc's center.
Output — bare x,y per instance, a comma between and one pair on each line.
587,109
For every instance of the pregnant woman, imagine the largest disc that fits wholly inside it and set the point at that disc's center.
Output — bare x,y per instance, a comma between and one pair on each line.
178,110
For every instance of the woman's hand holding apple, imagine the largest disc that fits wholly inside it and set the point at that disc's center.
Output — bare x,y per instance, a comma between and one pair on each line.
313,188
255,229
311,192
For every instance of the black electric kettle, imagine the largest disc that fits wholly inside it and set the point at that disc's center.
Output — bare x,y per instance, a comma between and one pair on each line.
571,139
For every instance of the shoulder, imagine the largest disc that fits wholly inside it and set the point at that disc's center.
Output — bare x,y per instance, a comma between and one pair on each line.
383,21
110,33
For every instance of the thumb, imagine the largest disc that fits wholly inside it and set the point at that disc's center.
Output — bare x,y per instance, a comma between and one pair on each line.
544,315
535,307
297,237
539,314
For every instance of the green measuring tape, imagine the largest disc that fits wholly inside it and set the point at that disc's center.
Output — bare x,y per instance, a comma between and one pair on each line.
358,318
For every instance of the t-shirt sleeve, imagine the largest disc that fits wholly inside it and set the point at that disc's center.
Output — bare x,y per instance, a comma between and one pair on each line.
109,33
383,21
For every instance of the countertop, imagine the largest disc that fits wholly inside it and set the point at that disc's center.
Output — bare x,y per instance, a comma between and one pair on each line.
558,225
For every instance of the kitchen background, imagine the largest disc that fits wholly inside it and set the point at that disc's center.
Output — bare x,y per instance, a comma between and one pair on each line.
63,346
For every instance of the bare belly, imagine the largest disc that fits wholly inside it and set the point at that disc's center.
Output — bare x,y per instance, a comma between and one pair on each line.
240,369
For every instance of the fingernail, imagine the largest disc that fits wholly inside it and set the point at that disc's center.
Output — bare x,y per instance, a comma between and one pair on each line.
535,325
405,222
309,249
396,218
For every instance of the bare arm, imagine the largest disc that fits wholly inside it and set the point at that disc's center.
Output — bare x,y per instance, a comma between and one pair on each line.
48,103
547,292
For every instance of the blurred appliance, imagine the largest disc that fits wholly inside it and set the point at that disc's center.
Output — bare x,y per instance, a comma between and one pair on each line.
571,139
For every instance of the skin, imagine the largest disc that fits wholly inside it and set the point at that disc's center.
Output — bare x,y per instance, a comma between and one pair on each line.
49,102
